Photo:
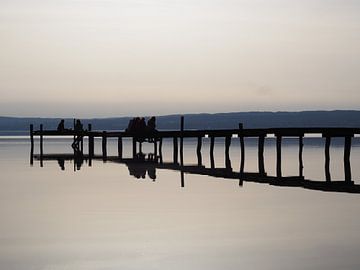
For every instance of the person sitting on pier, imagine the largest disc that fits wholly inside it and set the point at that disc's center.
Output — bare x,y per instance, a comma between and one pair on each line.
78,126
151,124
61,125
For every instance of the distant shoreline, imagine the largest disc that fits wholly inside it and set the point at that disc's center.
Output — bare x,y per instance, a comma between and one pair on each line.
337,118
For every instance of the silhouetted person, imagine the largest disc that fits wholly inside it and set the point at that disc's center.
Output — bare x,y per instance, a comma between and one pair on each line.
151,124
61,125
78,125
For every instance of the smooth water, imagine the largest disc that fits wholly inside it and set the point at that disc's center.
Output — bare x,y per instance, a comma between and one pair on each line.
100,217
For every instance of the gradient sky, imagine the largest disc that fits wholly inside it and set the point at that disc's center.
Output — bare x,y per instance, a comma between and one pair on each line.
92,58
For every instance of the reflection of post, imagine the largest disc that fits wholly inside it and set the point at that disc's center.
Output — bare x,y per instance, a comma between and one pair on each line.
301,164
182,179
104,141
212,161
347,167
175,154
198,150
32,144
278,156
227,152
242,147
327,158
120,147
41,145
182,140
261,154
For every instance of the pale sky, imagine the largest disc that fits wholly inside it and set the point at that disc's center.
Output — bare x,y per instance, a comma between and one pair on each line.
92,58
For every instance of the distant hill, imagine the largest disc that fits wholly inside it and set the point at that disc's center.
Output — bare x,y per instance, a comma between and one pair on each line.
340,118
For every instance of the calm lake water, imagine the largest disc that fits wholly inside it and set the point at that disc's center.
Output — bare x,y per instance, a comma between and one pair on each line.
100,217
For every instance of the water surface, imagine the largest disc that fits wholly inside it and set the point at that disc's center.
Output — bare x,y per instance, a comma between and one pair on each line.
100,217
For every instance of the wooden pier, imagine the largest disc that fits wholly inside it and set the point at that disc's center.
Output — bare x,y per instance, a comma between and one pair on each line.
177,136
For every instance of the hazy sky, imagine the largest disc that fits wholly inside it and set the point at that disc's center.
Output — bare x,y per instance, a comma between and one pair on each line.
122,57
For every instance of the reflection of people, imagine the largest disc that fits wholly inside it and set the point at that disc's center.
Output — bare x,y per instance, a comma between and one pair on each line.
78,125
61,163
152,172
79,161
61,125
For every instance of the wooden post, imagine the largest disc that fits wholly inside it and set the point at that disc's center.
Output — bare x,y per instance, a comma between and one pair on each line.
155,149
160,149
227,152
32,144
41,145
278,156
175,154
182,140
301,164
198,150
104,148
261,154
120,147
212,161
347,167
327,158
134,147
242,147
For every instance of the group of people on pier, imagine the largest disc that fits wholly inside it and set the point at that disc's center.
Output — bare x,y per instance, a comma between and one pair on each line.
139,126
77,127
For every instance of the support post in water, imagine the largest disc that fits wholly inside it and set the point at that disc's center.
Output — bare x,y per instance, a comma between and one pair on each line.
133,147
347,167
41,145
227,152
198,150
182,140
278,156
301,164
90,145
175,146
120,147
242,147
160,149
327,158
261,154
155,149
104,142
32,144
212,161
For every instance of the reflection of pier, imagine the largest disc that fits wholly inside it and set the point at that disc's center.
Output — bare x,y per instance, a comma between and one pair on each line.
139,166
156,137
